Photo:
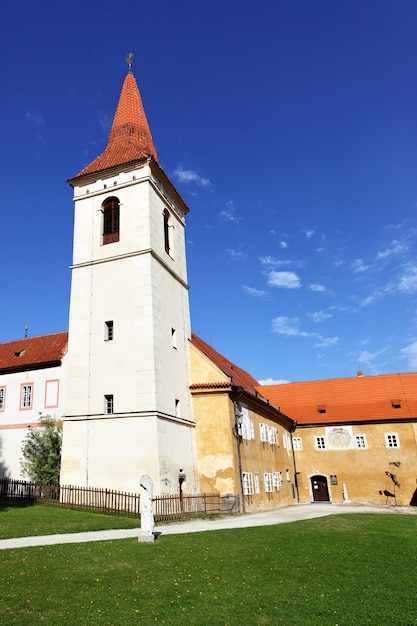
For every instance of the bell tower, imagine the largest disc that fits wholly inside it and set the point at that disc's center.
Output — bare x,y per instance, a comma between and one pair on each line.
128,408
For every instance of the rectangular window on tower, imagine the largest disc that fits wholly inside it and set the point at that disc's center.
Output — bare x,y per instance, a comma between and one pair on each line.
2,398
108,330
108,404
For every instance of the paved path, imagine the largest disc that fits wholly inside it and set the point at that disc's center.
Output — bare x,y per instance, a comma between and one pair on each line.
266,518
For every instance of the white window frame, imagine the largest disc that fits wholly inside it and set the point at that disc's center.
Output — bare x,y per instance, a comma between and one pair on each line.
2,398
248,431
26,396
297,443
247,483
361,442
272,435
263,432
392,441
320,442
268,482
276,480
256,483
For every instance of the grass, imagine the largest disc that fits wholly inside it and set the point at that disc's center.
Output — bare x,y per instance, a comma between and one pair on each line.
344,569
27,520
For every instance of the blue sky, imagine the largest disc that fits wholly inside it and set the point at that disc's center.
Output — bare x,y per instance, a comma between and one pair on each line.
289,127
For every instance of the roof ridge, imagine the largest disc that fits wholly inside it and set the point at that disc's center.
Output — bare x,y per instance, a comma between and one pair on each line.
130,137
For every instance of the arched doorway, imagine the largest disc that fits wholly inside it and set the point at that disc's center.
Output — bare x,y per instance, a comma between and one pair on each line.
319,488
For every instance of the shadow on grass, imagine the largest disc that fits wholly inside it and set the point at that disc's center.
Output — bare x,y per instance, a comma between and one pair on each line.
15,503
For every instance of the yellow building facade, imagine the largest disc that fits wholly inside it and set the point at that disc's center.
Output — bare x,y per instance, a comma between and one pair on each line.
356,438
243,443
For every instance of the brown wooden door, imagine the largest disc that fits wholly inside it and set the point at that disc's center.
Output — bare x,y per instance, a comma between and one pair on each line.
319,489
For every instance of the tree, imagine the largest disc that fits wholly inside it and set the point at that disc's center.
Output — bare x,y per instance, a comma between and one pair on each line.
41,450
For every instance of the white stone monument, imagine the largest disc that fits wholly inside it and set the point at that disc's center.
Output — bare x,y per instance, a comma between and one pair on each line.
147,523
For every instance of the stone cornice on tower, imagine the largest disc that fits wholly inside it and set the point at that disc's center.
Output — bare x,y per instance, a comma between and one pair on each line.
130,138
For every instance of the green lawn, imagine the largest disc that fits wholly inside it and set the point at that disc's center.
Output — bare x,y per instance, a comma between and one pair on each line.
343,569
27,520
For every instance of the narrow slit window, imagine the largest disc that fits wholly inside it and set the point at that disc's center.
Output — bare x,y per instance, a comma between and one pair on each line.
166,231
108,330
108,404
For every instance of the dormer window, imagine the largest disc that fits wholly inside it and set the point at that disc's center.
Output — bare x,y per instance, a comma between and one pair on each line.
321,408
111,218
19,353
396,404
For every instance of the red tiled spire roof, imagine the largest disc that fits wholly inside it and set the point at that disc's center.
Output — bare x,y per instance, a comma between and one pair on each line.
130,138
238,377
33,352
349,400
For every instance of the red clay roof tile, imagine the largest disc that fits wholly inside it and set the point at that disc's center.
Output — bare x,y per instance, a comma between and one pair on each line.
33,352
238,377
130,138
359,399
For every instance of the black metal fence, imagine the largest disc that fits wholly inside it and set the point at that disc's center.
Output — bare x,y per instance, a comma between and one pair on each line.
116,502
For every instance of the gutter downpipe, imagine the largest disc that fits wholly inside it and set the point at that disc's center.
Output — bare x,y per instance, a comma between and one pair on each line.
237,432
292,429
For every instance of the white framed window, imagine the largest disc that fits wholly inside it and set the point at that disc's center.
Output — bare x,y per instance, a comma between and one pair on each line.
2,398
272,435
248,431
360,442
174,338
276,480
26,396
284,440
320,442
256,482
268,482
247,481
392,440
108,330
287,475
297,443
108,404
263,431
177,408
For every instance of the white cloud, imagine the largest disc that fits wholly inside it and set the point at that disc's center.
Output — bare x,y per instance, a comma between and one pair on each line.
283,244
256,293
270,260
190,176
273,381
394,249
326,342
236,255
358,266
35,119
408,282
228,214
308,233
367,358
289,327
317,287
410,352
319,316
288,280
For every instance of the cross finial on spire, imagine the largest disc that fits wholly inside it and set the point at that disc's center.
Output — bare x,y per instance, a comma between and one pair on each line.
129,60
